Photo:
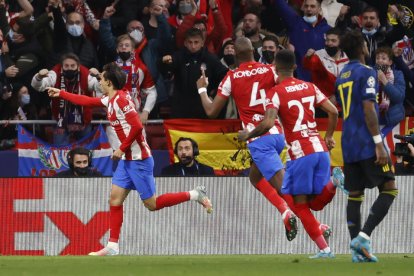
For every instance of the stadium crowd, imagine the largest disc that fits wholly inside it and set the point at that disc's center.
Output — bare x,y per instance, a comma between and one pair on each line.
162,45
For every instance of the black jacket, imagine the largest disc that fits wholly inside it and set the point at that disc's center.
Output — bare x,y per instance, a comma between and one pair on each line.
69,173
197,169
186,102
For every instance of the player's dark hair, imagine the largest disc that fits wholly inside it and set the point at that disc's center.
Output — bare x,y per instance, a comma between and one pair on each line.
285,60
352,43
114,73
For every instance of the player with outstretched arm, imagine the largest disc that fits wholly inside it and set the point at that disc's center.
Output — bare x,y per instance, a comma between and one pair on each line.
135,167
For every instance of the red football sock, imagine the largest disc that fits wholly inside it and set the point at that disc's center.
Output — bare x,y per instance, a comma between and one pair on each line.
116,217
290,202
321,200
271,194
310,224
171,199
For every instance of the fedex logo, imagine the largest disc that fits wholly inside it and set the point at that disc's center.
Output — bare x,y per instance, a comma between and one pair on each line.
249,73
296,87
57,232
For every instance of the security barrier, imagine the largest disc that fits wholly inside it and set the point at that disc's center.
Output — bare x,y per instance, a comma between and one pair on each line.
70,217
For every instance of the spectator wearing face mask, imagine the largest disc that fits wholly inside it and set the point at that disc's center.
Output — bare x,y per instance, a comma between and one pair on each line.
155,8
70,75
305,31
70,38
149,51
326,64
14,105
270,47
139,84
228,59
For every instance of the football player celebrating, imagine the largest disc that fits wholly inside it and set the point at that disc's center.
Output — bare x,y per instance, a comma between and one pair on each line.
307,175
135,169
248,85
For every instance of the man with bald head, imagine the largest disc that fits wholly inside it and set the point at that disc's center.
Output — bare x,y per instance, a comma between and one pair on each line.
249,85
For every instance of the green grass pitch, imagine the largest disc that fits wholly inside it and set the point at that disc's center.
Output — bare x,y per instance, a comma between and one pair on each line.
223,265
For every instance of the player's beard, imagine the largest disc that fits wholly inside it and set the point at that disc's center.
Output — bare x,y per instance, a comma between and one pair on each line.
186,160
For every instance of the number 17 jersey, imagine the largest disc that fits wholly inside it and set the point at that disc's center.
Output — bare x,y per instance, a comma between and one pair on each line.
356,84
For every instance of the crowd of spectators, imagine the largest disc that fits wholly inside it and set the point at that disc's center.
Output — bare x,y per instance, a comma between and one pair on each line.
162,45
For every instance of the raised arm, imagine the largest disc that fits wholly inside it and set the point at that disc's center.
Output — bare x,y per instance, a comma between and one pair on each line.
74,98
212,108
329,108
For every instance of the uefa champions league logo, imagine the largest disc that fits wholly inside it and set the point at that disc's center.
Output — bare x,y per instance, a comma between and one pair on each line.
53,158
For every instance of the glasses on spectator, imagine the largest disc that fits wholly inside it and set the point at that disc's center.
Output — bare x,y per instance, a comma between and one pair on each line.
141,29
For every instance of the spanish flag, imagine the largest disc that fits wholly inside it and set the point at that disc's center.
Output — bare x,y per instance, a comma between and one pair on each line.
217,142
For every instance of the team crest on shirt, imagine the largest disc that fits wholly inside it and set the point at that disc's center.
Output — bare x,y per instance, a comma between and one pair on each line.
371,81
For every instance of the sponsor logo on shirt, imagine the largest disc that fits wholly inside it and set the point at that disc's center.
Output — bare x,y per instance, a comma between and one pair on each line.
115,123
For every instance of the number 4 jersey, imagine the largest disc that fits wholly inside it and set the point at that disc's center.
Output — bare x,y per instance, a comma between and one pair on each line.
250,85
356,84
295,101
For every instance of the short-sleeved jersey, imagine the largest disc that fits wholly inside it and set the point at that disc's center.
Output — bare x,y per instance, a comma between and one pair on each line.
295,101
120,110
356,84
250,85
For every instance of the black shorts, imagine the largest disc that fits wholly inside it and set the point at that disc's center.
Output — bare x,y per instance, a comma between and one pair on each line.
366,174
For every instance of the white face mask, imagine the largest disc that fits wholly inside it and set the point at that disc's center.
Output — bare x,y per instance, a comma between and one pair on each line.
366,32
310,19
25,99
136,35
75,30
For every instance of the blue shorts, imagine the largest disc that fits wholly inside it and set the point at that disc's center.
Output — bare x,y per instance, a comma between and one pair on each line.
265,153
136,175
307,175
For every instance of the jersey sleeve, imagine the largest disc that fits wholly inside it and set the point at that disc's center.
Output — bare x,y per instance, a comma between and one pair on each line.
320,97
275,102
369,84
224,88
81,99
131,117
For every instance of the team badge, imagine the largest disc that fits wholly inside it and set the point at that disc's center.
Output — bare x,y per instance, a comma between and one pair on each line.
371,81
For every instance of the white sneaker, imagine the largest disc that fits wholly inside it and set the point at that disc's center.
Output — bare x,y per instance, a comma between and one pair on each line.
106,251
203,198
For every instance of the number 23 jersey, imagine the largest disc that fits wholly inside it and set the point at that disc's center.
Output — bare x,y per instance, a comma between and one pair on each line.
295,101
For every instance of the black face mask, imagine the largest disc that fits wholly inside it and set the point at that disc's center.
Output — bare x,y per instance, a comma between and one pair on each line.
81,171
268,56
70,74
331,50
124,55
381,67
229,59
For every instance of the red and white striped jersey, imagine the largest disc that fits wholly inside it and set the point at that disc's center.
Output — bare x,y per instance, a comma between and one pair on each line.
250,85
123,118
295,101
